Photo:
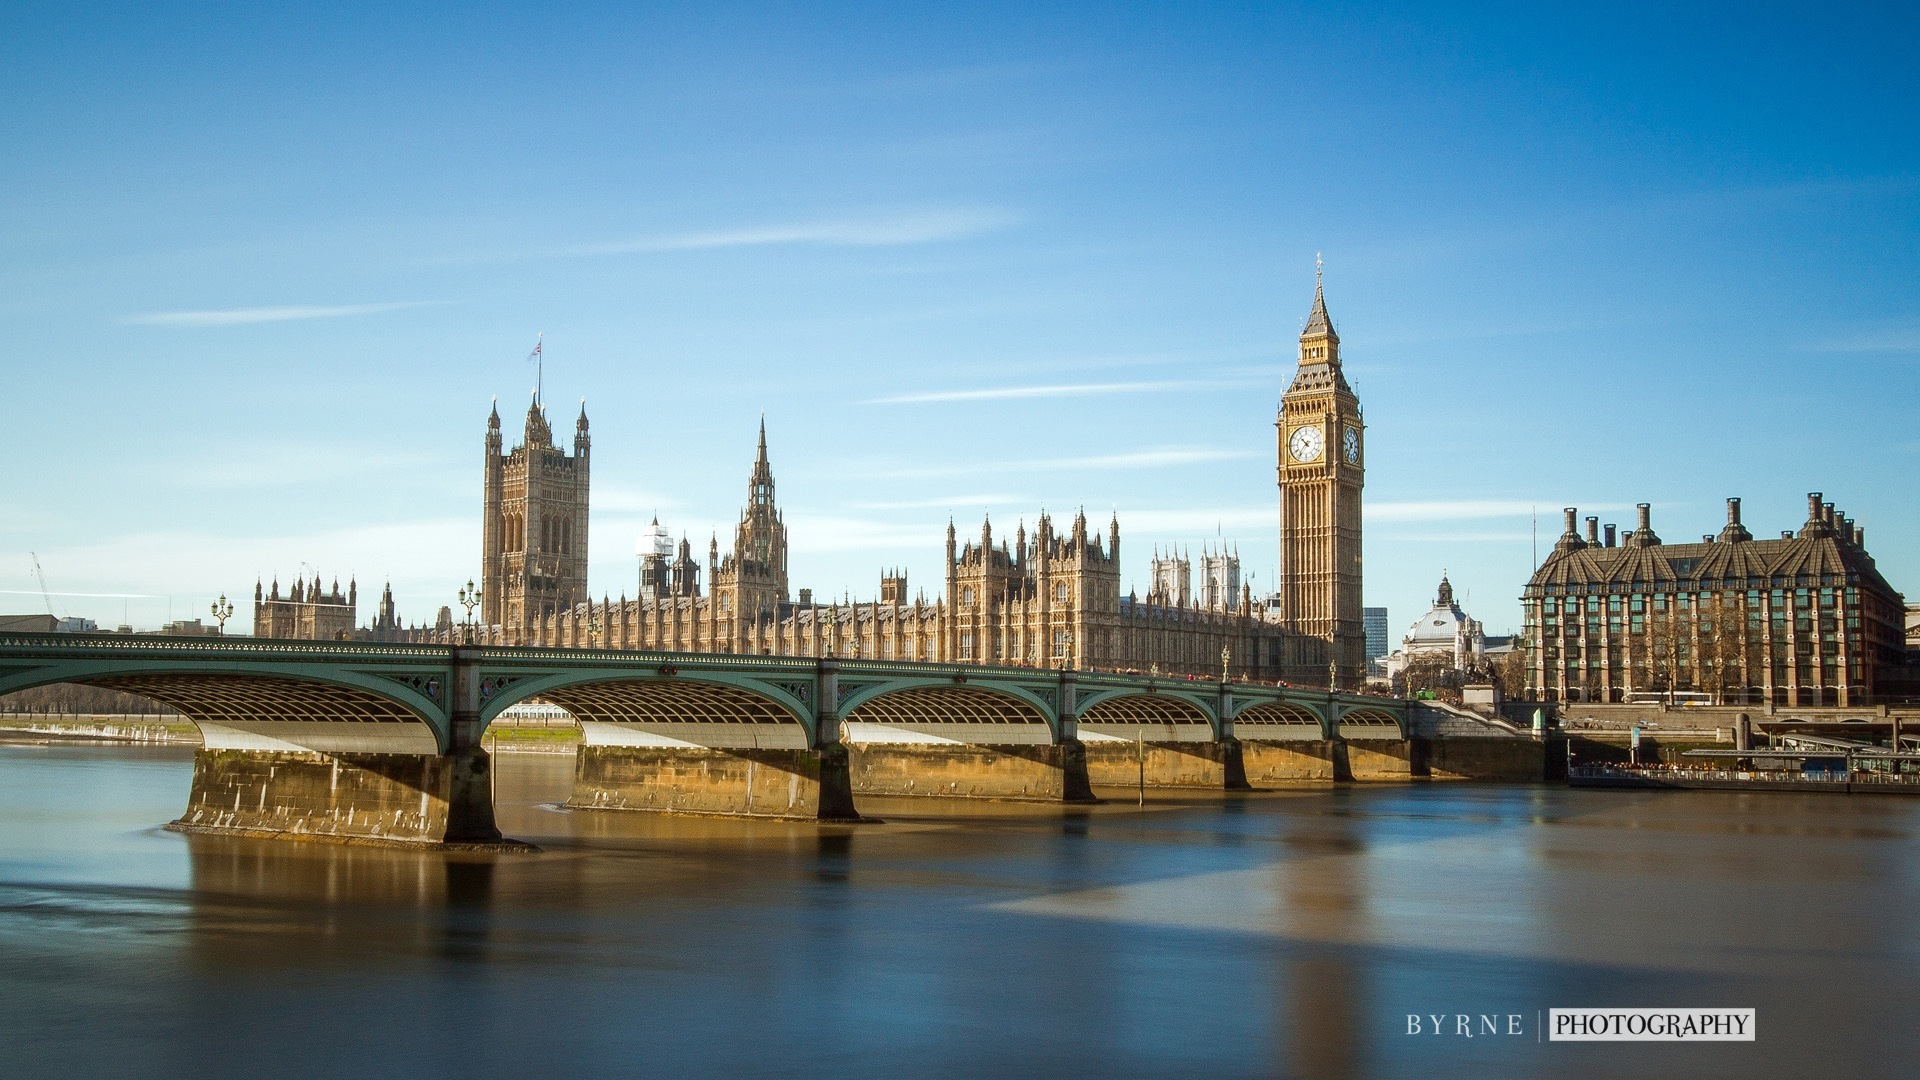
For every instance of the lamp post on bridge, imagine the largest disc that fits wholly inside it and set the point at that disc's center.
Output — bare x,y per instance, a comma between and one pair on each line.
1066,658
1226,658
469,598
221,611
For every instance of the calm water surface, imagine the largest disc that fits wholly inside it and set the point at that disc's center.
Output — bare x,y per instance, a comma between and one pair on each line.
1281,934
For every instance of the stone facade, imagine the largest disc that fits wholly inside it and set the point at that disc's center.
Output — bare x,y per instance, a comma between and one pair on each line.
534,545
1049,598
307,612
1322,468
1806,619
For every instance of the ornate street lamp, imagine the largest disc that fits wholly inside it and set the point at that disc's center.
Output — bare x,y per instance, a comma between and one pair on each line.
221,610
469,598
1066,660
1226,658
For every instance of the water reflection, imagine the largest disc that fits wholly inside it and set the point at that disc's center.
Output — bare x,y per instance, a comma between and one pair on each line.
272,904
1283,935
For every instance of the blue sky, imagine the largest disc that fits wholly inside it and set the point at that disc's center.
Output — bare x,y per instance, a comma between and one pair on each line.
262,272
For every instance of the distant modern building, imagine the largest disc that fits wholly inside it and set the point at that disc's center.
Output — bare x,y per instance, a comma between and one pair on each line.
1806,619
29,624
1375,621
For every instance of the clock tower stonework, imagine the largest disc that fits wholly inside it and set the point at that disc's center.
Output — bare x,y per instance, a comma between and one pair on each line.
1322,467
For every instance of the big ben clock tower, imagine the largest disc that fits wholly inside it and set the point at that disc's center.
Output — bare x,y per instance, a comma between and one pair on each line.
1322,469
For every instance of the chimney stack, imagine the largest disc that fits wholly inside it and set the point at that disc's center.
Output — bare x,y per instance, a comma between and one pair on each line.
1610,533
1733,511
1593,531
1573,527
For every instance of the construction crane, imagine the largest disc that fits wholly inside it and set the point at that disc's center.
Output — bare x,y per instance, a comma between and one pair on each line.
45,596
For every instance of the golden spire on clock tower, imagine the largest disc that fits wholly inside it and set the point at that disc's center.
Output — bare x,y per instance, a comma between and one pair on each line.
1321,473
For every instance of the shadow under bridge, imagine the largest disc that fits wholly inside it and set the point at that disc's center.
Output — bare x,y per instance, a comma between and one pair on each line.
668,711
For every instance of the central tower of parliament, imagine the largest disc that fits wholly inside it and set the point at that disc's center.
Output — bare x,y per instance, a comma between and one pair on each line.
1045,599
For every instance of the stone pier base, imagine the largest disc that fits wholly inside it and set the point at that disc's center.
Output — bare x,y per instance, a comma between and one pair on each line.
1211,766
785,783
396,798
1294,761
1054,773
1380,759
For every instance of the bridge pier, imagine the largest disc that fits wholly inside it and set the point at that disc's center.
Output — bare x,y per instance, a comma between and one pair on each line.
304,794
1292,761
329,780
614,772
1050,772
1217,765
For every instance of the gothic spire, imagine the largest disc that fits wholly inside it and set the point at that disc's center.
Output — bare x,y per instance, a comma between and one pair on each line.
537,432
760,487
1318,324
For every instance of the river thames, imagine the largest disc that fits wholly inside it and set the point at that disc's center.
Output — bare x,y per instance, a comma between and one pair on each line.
1276,934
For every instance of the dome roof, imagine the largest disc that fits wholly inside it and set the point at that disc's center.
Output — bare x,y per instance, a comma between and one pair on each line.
1441,622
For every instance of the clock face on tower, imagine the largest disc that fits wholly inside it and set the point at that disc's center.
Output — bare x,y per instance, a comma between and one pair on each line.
1351,444
1306,443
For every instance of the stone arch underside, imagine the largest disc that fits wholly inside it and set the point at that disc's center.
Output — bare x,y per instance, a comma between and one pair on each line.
679,712
1370,724
946,714
1277,720
260,712
1152,717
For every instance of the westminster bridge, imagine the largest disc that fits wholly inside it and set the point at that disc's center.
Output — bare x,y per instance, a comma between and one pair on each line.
383,741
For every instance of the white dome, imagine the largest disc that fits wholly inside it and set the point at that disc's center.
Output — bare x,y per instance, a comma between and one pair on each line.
1442,622
1437,627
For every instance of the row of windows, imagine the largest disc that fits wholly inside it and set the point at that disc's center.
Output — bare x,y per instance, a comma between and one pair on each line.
554,533
1803,582
1776,600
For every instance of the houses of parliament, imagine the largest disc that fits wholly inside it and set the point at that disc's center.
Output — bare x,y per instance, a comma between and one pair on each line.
1049,597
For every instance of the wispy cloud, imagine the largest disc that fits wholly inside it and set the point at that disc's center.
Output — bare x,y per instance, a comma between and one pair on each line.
92,595
1463,509
1897,340
1158,457
924,227
248,316
1060,390
946,501
268,465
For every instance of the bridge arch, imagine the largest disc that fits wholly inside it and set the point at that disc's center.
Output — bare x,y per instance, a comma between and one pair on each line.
1134,708
1368,722
1013,712
1280,720
253,706
708,708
